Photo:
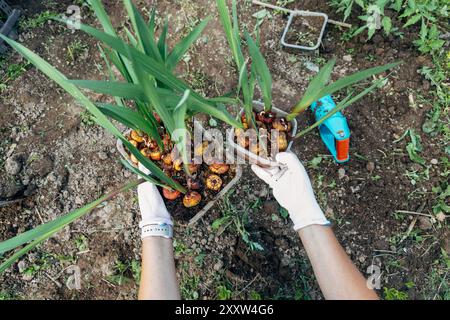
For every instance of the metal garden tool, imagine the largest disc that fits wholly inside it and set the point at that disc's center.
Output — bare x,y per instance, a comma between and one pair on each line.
7,27
302,13
334,132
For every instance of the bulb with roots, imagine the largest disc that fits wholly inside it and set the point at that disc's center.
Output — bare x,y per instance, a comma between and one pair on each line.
282,125
137,136
171,194
219,168
191,199
213,182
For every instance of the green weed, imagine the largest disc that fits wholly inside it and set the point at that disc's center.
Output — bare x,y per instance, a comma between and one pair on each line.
238,219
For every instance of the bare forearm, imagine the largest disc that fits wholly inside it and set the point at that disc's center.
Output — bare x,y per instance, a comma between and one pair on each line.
337,276
158,278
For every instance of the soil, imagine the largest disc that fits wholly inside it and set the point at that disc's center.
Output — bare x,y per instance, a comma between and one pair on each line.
69,161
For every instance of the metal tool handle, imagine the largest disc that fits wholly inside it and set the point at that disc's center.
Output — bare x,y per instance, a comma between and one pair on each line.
271,6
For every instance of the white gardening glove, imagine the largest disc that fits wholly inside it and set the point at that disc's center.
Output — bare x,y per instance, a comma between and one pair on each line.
153,209
293,191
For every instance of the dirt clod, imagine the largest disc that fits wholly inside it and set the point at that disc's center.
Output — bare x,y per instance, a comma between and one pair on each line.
13,165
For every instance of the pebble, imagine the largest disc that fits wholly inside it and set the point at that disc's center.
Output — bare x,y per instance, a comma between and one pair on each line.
263,193
425,223
102,155
434,161
370,166
355,189
347,58
78,200
13,165
218,266
21,266
341,173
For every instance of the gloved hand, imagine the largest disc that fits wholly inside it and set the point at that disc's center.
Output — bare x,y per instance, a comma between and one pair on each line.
293,191
153,209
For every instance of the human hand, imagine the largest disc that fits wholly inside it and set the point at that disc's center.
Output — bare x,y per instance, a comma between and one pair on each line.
151,204
293,191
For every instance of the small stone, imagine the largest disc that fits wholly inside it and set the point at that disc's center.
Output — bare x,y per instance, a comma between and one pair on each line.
355,189
426,85
341,173
424,223
218,266
370,166
78,200
126,173
362,258
329,213
21,266
434,161
441,217
347,58
13,165
263,193
102,155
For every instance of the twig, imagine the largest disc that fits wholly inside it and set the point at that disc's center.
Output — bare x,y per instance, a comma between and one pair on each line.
39,215
416,213
410,228
440,285
385,251
109,283
248,285
58,284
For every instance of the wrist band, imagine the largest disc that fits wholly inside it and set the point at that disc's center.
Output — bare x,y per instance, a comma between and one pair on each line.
157,230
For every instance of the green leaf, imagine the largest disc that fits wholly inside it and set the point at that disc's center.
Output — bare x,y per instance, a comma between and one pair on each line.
349,100
180,125
414,19
104,20
387,24
124,90
151,93
262,71
219,222
229,32
338,85
159,71
135,170
143,32
162,45
102,16
317,84
182,47
129,118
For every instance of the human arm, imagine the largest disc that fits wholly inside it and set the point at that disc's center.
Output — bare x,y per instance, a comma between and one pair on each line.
158,275
337,276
